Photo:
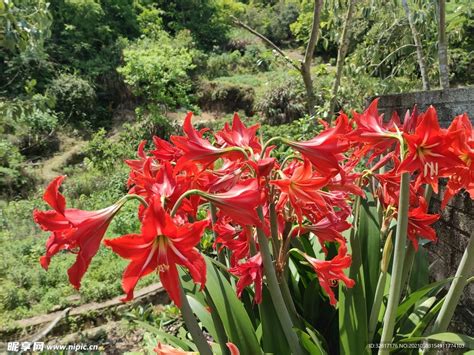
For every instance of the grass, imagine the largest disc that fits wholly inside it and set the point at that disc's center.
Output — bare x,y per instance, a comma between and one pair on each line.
25,288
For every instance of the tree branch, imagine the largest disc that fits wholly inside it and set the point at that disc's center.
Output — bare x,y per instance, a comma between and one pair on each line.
443,46
313,39
267,41
341,56
419,47
308,57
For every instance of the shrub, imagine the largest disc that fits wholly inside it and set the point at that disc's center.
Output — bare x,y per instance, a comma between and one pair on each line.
205,19
157,68
283,102
225,97
273,21
75,97
14,178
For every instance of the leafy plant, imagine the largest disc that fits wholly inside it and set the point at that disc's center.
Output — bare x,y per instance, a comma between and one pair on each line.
298,235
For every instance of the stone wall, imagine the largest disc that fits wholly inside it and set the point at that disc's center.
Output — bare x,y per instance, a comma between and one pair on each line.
448,103
455,227
456,224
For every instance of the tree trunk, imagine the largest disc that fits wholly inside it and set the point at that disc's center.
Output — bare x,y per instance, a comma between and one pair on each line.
305,67
443,47
419,47
341,56
308,57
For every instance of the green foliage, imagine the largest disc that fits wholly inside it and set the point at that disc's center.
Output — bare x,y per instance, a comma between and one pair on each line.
274,20
283,102
85,33
13,175
158,68
74,97
24,26
225,97
205,19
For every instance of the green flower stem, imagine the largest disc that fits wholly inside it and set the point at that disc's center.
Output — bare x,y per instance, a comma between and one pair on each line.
374,313
267,143
182,197
275,292
464,271
407,267
397,267
274,230
284,258
192,324
379,291
133,197
221,253
186,311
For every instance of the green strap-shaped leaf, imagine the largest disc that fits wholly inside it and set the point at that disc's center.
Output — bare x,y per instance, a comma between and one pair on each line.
369,235
353,319
416,296
204,315
453,338
417,315
273,337
234,318
168,338
423,323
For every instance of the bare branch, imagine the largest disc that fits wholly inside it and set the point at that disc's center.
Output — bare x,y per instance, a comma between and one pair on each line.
267,41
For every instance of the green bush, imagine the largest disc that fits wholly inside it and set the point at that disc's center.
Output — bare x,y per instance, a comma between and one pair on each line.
273,21
283,102
158,67
14,178
205,19
251,58
75,97
225,97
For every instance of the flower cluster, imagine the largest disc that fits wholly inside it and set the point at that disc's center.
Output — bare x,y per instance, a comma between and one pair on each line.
231,172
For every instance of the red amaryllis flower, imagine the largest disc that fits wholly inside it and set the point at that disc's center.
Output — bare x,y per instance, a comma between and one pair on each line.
462,176
302,190
324,151
239,135
165,151
161,246
331,271
233,349
233,238
371,128
164,349
74,230
428,150
221,179
373,131
197,149
327,230
239,203
137,164
419,224
250,272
